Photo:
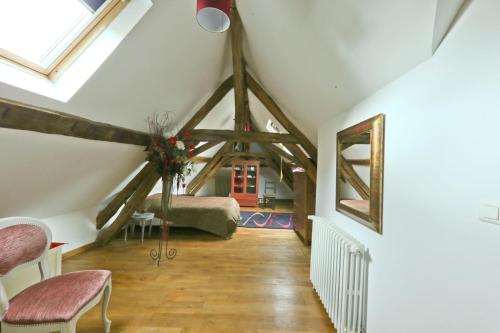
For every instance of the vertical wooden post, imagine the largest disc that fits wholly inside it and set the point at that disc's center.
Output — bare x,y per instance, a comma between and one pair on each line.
242,110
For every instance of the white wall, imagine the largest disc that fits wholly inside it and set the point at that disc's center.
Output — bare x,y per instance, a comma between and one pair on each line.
435,267
282,190
76,229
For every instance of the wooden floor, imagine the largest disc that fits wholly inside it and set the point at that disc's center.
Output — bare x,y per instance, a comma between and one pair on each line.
257,282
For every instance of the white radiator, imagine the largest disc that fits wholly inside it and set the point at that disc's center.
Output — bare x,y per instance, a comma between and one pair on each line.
338,274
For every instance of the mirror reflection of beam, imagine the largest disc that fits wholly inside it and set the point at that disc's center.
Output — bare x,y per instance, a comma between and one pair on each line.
363,138
350,175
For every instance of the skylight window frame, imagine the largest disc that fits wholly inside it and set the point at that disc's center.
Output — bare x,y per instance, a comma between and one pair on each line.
75,48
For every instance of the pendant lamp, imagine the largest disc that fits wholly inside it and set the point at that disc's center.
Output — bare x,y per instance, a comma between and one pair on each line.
213,15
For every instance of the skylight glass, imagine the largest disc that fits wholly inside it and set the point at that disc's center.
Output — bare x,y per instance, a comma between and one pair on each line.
39,31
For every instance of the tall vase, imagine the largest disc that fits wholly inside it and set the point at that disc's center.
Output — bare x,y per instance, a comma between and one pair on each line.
166,194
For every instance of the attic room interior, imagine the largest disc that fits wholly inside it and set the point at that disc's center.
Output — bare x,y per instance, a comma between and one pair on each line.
179,166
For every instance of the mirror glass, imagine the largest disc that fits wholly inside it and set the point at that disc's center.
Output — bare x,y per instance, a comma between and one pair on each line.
360,169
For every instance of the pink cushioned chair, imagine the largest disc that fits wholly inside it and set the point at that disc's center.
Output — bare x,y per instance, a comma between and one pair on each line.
54,304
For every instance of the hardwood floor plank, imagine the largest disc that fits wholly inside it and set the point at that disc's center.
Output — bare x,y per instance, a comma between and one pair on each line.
256,282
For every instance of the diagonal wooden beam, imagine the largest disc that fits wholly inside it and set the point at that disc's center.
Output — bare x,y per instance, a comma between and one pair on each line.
115,204
136,200
280,116
304,161
277,150
201,159
351,176
24,117
212,101
204,147
228,135
206,174
208,170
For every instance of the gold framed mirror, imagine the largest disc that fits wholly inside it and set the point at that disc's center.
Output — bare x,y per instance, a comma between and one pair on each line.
360,172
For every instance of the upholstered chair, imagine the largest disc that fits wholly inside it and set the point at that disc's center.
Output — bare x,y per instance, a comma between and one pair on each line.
54,304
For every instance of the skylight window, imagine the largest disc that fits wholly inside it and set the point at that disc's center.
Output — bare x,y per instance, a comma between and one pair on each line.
41,34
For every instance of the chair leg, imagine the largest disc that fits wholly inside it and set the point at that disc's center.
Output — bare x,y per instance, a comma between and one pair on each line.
105,302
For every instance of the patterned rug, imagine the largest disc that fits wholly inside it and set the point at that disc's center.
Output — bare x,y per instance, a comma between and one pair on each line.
266,220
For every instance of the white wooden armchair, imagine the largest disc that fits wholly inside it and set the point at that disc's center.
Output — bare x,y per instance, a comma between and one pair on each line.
52,305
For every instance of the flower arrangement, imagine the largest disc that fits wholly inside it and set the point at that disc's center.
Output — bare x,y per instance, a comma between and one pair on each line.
171,151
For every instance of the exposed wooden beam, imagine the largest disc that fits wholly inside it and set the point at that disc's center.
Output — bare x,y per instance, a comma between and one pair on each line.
351,176
280,116
262,163
240,89
277,150
236,155
356,140
358,161
304,161
208,170
228,135
207,174
204,147
212,101
115,204
201,159
136,200
24,117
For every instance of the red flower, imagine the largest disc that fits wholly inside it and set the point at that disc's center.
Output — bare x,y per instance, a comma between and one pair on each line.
190,154
191,146
187,134
172,141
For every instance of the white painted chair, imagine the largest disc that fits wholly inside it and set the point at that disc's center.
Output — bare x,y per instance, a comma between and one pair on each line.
52,305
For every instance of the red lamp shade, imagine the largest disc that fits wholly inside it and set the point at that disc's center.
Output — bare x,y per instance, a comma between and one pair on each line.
213,15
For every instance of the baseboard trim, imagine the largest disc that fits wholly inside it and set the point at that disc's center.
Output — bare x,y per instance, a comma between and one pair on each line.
79,250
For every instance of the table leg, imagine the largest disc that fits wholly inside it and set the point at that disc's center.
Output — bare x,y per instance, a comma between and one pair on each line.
150,227
143,225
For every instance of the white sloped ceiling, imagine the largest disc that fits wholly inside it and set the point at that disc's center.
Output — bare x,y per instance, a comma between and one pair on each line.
321,57
314,57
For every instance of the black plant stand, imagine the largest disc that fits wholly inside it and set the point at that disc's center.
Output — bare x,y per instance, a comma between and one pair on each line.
156,254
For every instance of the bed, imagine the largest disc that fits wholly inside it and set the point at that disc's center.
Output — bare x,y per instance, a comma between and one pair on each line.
216,215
